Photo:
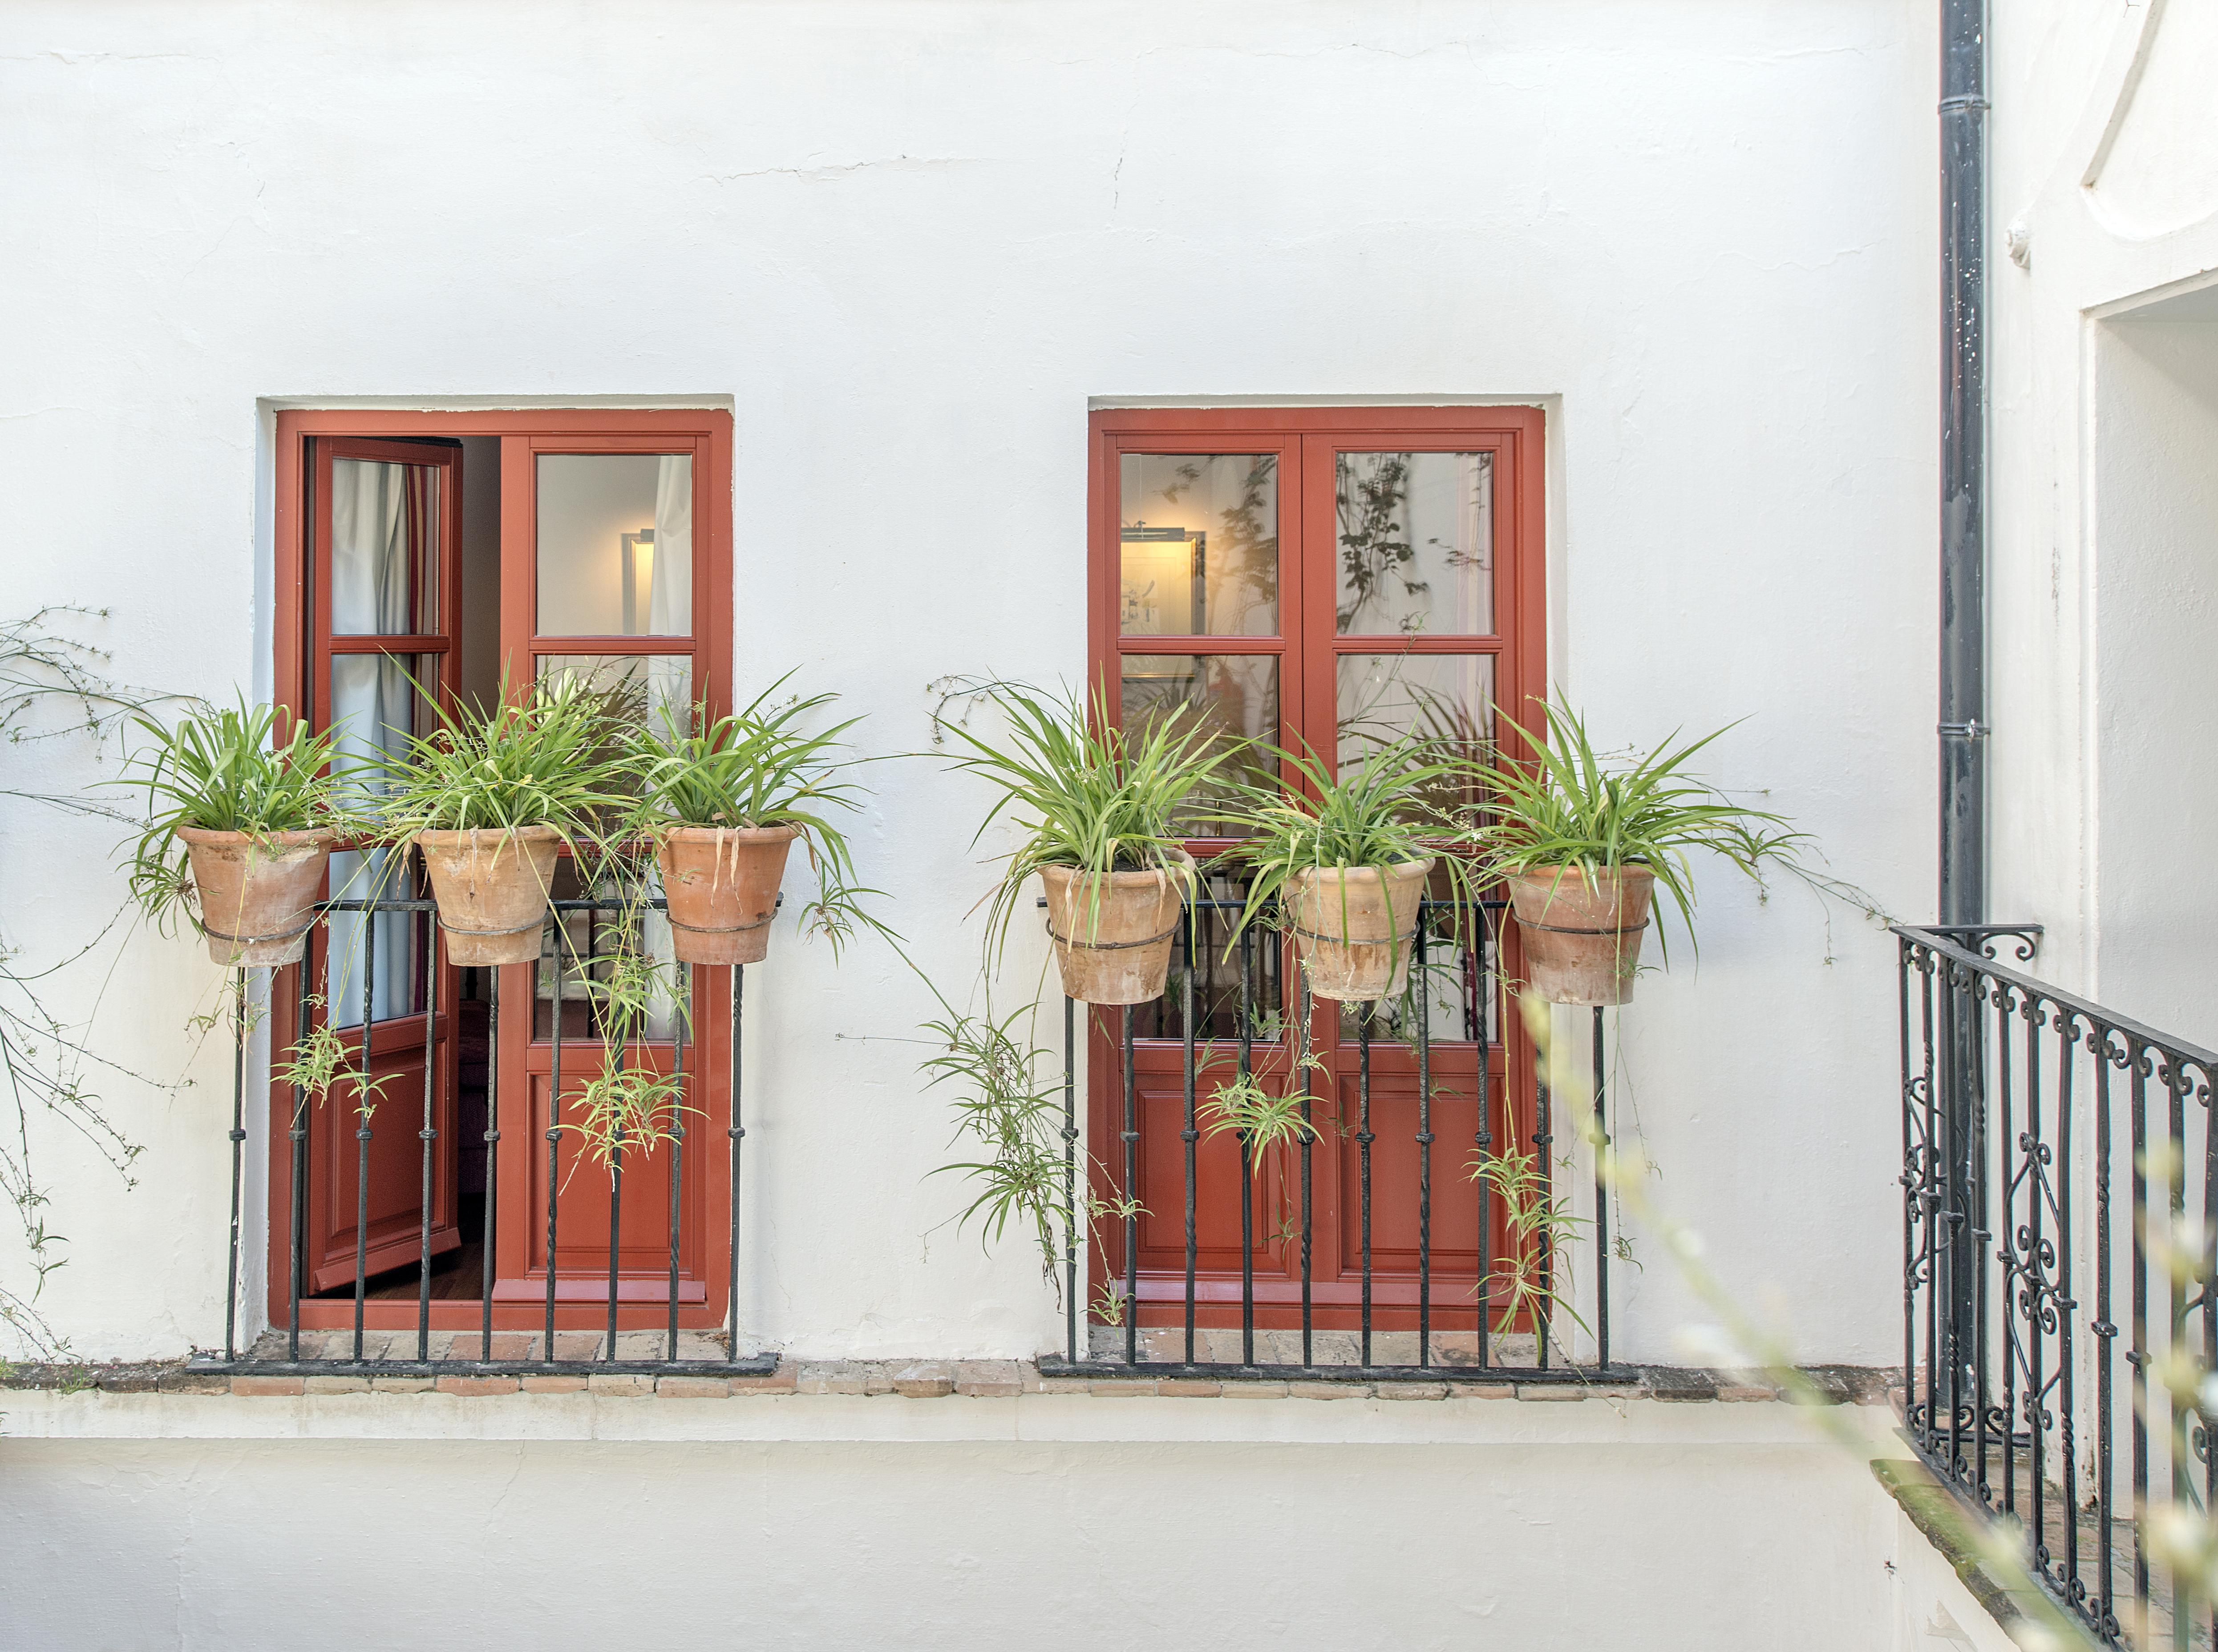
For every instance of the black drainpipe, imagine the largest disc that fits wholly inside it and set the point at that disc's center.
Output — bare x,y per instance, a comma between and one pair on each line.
1963,461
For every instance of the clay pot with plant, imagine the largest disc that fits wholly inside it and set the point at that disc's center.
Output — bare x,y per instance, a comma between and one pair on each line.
491,797
724,802
1583,845
239,830
1347,859
1096,807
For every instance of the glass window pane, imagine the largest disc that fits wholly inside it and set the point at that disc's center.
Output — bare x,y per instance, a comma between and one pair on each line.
581,947
1461,977
1233,695
385,549
1449,699
1216,961
1415,544
639,686
394,968
374,707
615,544
1200,544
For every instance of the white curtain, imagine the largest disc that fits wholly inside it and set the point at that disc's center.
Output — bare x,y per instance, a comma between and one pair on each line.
669,584
669,613
371,560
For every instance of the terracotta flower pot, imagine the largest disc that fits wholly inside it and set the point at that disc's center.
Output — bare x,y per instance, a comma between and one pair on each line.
257,896
1355,927
722,884
493,886
1113,936
1581,941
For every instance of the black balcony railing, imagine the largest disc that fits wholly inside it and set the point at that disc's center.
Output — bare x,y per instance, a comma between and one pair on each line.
444,1349
2059,1183
1223,999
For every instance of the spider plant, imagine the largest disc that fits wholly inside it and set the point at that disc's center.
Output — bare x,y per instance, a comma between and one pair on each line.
1087,794
1384,809
550,756
1012,1110
223,770
759,767
1533,1274
1567,806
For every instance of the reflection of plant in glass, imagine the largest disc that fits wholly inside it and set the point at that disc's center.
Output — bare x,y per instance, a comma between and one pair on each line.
1444,726
1375,552
1243,571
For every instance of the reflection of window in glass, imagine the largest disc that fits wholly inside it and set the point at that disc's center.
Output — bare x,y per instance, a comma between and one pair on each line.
375,709
1446,700
639,688
615,544
385,549
1232,696
1199,544
1414,546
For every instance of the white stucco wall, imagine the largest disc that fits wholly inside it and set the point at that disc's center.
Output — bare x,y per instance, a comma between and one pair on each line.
580,1521
907,245
2104,551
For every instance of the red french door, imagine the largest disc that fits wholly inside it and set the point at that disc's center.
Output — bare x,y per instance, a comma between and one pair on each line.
610,576
1324,580
384,598
609,554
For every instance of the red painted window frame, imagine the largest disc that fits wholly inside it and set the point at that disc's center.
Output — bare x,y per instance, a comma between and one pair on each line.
299,658
1306,440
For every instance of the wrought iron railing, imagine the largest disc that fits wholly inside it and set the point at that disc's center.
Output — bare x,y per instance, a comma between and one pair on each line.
1179,1339
2060,1184
359,1349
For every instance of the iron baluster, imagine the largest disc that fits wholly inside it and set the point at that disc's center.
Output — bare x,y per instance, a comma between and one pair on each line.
1308,1009
1070,1178
299,1133
1544,1258
1602,1199
1246,1163
237,1156
554,1127
1363,1139
361,1129
1189,1135
1425,1140
428,1135
1132,1138
680,1010
1484,1137
737,1132
486,1254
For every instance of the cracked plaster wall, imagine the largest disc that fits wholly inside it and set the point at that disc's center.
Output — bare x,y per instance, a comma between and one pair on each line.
906,245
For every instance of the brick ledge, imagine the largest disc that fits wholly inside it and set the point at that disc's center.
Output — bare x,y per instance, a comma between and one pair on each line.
976,1378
